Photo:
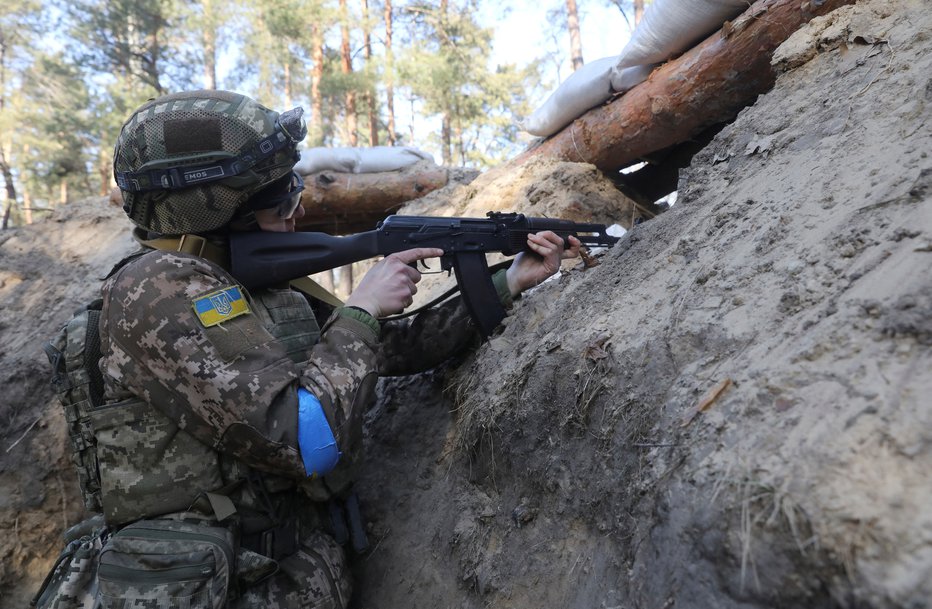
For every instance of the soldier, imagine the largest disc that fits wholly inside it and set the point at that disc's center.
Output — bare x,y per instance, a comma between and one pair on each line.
232,418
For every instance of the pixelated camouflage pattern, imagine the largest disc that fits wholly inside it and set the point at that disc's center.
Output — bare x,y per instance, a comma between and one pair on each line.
194,409
148,466
422,342
166,564
76,347
431,337
230,386
72,584
314,577
290,319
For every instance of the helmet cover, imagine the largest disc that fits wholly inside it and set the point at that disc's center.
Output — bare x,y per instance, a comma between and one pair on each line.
187,162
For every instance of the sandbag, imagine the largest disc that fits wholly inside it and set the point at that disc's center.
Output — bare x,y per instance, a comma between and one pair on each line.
389,158
359,160
631,77
587,87
344,160
670,27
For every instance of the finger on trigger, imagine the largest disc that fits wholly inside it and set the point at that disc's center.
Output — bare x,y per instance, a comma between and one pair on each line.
418,253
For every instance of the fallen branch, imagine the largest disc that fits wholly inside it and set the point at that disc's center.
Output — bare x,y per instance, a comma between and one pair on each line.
707,400
25,433
709,84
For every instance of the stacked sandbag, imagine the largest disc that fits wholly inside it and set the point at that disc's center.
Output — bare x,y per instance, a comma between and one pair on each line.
389,158
359,160
668,28
586,88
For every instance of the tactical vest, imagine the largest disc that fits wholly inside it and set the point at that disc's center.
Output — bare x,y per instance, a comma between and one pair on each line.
74,354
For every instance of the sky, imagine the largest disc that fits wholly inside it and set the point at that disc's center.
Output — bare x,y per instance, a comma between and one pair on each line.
523,34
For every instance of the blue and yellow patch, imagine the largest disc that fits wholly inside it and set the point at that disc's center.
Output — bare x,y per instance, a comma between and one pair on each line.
220,306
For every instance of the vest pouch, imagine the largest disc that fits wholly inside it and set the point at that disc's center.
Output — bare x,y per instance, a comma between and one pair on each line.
166,564
72,582
148,465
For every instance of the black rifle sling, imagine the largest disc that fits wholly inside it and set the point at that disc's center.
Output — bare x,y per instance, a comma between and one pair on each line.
478,291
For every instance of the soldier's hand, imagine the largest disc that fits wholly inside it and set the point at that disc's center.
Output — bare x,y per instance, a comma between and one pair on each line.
531,268
389,286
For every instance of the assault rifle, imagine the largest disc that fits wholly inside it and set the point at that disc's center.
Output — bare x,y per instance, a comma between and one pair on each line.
259,259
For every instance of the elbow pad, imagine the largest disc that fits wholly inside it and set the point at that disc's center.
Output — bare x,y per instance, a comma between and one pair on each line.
315,438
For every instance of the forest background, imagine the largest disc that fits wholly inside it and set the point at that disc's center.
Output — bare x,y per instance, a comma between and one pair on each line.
453,77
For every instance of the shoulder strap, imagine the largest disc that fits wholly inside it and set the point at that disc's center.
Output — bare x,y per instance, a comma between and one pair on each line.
186,244
199,246
311,288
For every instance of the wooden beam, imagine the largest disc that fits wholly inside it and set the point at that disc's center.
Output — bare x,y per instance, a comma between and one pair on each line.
344,203
708,84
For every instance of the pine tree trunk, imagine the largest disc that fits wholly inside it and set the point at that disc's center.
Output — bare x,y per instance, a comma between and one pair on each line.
63,191
389,74
325,280
316,131
104,168
27,206
4,166
572,24
10,188
446,152
445,140
346,62
370,91
151,66
286,75
460,144
210,46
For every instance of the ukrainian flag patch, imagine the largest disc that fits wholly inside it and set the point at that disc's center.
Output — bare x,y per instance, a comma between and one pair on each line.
220,306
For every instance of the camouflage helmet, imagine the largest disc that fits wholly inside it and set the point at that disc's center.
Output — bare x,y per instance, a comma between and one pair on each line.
187,162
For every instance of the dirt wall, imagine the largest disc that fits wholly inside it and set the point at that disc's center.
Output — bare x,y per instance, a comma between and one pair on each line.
49,269
579,459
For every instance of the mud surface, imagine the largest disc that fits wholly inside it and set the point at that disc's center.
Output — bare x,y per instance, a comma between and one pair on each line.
731,410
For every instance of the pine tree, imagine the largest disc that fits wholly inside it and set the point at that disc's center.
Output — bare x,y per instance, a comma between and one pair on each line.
447,71
18,20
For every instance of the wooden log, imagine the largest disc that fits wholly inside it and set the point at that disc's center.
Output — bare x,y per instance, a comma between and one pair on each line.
708,84
343,203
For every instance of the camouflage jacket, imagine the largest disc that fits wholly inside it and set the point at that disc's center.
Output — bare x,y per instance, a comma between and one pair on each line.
193,406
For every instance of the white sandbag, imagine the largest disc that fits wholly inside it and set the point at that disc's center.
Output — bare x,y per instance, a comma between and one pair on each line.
344,160
670,27
627,79
587,87
389,158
